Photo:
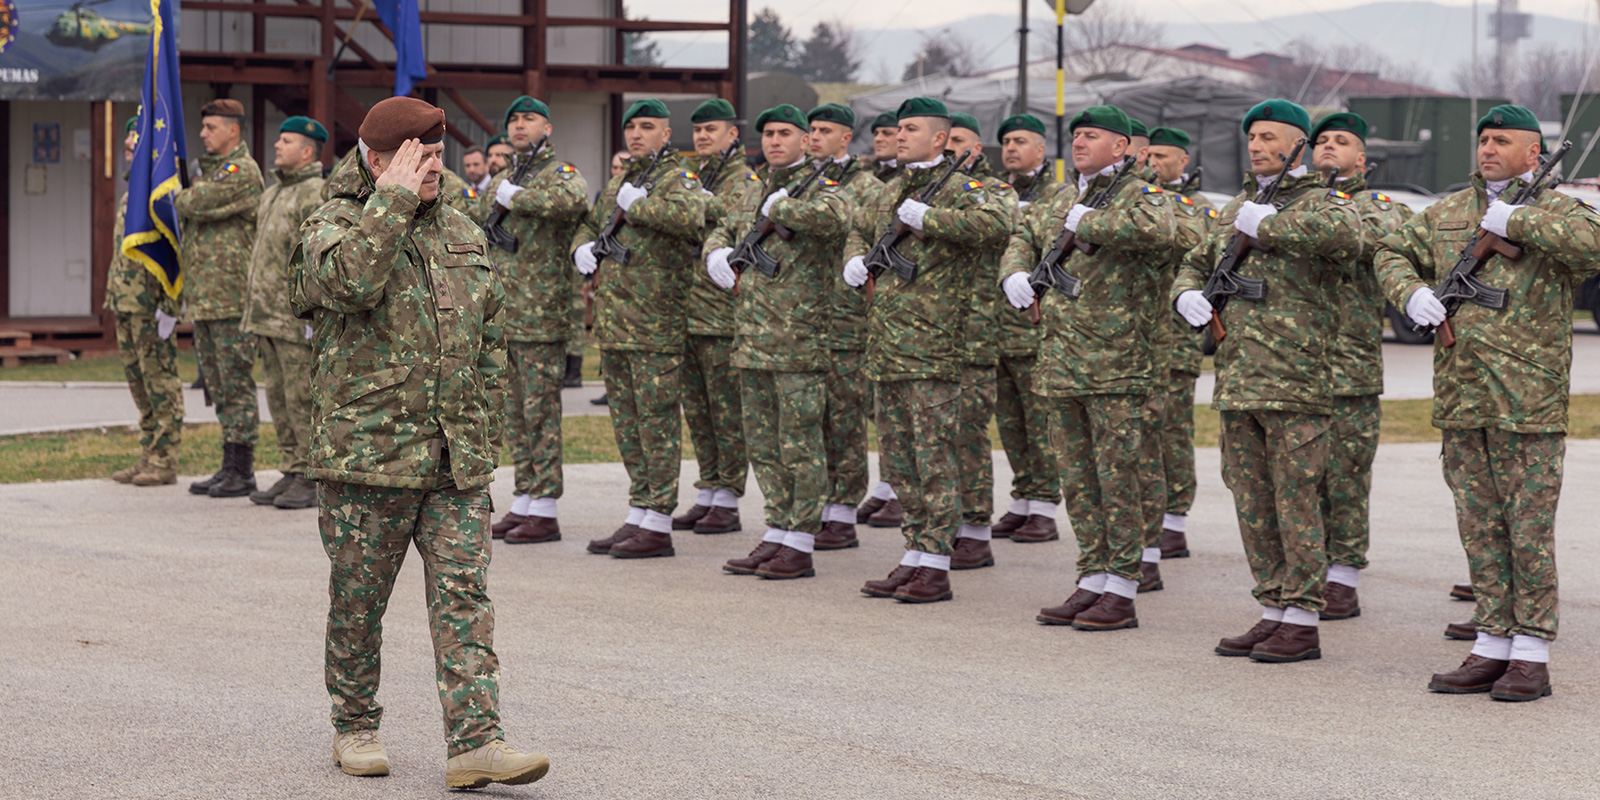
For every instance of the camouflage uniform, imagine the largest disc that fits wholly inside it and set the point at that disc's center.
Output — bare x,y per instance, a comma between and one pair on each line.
219,231
148,361
409,320
538,281
1273,380
1022,416
640,326
985,303
915,334
1500,394
779,345
1175,431
844,421
1098,360
711,387
885,170
286,357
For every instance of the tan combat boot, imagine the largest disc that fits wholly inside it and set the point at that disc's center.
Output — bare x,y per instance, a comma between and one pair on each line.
495,762
156,471
125,475
360,753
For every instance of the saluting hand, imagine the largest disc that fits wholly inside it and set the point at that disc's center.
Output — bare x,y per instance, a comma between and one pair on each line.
410,167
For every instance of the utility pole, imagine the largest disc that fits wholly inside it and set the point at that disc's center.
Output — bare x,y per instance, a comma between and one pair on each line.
1022,61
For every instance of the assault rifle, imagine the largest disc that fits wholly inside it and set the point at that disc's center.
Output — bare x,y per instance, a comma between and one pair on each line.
1225,281
1050,274
606,244
749,252
886,254
1461,285
709,182
493,230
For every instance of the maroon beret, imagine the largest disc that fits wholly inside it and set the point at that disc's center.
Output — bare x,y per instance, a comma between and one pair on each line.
223,107
391,122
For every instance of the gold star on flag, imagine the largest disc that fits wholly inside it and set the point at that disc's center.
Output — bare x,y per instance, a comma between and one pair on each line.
161,124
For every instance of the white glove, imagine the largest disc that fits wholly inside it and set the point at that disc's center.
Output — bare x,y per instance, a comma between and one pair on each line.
165,324
1249,220
1018,290
630,194
1075,216
855,271
719,270
308,332
1498,215
766,207
1023,204
912,212
504,194
1194,307
584,259
1425,309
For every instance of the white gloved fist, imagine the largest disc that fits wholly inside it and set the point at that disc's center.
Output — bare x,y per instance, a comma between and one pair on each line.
164,324
1075,216
1494,221
1250,216
718,268
772,199
505,192
1018,290
1425,309
308,332
1023,204
583,258
629,194
855,271
1194,307
911,213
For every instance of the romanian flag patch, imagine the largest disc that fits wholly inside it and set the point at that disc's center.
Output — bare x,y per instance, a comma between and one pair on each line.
1381,197
825,182
469,193
566,168
1211,213
688,175
970,185
1184,200
1335,193
230,167
752,176
1003,185
1152,190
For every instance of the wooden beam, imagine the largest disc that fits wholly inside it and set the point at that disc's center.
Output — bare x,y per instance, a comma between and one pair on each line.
459,17
5,208
471,111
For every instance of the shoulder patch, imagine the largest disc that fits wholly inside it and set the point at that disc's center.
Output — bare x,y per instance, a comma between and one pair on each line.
1211,213
1184,200
1152,190
970,185
827,182
227,169
752,176
1338,197
1587,207
687,174
1002,185
469,193
1381,197
566,171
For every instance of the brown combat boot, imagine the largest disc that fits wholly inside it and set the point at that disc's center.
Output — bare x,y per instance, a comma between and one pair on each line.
786,564
1038,528
837,536
867,509
1150,577
1522,682
1475,676
506,523
643,544
300,494
1287,644
153,475
125,475
535,530
1063,614
971,554
718,520
1463,591
748,564
1174,544
1340,602
1008,522
1110,612
603,546
1242,645
264,497
686,521
1464,631
888,586
890,516
927,585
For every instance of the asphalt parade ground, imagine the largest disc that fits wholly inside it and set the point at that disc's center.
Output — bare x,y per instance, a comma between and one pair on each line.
160,645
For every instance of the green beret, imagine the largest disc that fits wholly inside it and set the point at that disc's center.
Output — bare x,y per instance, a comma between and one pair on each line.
1171,137
1514,118
1277,110
963,120
1138,128
714,110
1021,122
833,112
922,107
305,126
1108,118
525,105
1342,121
646,108
498,138
885,120
783,113
133,122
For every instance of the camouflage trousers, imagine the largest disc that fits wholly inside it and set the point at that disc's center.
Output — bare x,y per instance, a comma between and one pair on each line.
1177,443
1506,486
711,396
1153,468
917,454
1351,449
366,531
150,365
975,453
227,355
844,427
644,391
1024,421
1097,443
533,414
287,368
1273,462
578,337
783,426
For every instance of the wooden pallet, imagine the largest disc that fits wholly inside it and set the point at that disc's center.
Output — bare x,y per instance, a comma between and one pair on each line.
33,354
15,339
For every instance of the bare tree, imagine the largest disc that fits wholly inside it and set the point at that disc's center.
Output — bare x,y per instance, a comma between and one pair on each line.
1536,80
1108,39
1322,74
944,52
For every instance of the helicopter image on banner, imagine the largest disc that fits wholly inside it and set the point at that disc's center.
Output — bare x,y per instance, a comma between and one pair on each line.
86,29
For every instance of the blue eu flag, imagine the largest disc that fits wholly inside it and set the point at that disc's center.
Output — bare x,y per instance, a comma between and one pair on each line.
402,19
150,234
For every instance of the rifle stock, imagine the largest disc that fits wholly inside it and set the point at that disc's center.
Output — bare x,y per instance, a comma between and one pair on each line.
493,227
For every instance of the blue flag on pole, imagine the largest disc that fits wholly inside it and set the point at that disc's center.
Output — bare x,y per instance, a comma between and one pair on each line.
150,233
402,19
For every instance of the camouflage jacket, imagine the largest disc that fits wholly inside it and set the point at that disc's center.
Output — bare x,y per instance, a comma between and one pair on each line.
781,323
884,170
915,330
1015,334
1275,355
219,230
639,305
1356,357
987,303
410,338
460,195
538,277
1509,369
130,288
710,307
847,306
284,206
1181,343
1102,342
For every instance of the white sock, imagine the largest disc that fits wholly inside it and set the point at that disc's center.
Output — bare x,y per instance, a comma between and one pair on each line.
635,516
1118,585
1151,555
1271,614
1041,508
519,505
935,561
912,558
1345,574
1095,583
835,512
1019,506
704,497
1300,616
883,491
542,507
724,499
979,532
656,521
1530,648
1490,646
1175,522
800,540
773,535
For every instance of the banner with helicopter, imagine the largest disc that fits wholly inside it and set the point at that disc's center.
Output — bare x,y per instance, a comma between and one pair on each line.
73,49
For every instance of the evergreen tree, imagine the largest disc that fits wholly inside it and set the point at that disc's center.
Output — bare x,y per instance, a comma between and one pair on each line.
772,47
829,55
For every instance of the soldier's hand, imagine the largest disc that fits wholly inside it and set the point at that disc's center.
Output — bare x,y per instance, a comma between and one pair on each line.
1250,216
583,258
505,193
855,271
629,194
1019,291
410,167
718,268
165,323
1194,307
1075,216
911,213
1425,309
1498,215
772,200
